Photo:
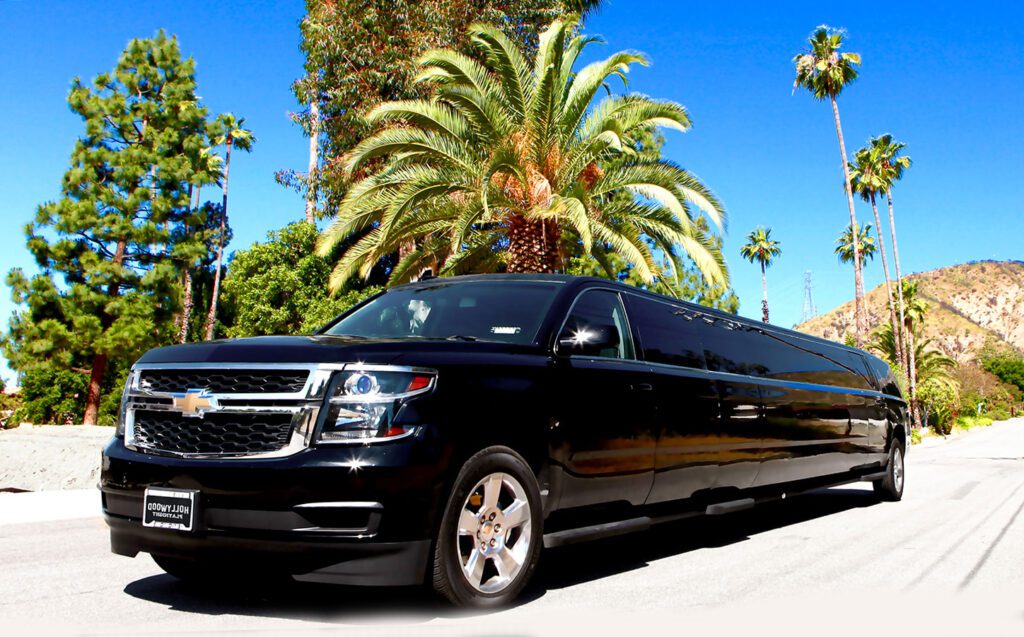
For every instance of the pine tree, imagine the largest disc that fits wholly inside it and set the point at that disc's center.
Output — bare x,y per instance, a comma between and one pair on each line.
111,248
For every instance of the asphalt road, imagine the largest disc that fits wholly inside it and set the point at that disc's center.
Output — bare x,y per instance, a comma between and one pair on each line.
949,559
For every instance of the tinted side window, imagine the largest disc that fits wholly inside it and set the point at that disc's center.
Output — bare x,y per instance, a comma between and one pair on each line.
668,333
730,346
807,364
884,376
598,315
853,365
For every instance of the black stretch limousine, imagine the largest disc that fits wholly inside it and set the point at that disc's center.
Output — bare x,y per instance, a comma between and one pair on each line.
445,430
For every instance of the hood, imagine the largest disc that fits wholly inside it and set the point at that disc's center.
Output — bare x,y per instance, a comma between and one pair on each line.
315,349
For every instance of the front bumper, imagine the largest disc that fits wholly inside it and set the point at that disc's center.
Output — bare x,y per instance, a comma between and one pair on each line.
362,515
307,559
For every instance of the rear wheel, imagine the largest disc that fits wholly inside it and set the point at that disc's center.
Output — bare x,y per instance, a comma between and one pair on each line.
490,535
891,486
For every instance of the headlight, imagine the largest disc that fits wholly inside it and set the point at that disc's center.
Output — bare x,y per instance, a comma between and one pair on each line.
363,403
122,413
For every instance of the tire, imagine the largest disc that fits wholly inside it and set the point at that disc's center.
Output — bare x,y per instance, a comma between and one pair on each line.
489,540
890,488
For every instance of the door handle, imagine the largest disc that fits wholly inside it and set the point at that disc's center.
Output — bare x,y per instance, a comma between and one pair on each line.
642,387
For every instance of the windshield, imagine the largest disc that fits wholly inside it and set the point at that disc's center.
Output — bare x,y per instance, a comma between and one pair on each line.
506,311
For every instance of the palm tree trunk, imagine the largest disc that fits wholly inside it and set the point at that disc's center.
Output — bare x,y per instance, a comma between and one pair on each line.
915,415
314,152
533,245
908,361
187,302
888,285
764,294
858,273
211,317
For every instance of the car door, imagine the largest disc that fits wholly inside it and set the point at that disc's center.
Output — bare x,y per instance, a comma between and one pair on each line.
732,356
689,450
603,431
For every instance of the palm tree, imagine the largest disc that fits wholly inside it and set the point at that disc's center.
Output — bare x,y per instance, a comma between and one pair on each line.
930,365
761,248
846,249
230,133
915,309
891,167
502,169
210,166
825,72
866,180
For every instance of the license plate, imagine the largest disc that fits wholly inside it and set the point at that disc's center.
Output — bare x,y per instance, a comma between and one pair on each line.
169,509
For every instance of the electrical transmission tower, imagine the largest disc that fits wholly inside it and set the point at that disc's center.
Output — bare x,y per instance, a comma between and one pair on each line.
810,309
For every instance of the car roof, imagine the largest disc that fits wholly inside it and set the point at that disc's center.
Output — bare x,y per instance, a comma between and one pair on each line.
579,281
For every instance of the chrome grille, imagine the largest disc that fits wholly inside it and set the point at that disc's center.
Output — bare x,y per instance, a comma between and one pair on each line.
230,381
233,434
220,410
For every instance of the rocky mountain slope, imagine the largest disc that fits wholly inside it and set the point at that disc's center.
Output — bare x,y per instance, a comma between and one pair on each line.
969,304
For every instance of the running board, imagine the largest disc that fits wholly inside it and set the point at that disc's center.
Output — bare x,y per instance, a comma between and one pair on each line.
611,529
729,507
622,527
596,532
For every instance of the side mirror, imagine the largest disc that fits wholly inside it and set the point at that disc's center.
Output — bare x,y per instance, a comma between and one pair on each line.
590,340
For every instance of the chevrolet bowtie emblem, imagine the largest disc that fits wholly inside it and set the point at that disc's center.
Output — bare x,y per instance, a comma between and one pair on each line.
195,402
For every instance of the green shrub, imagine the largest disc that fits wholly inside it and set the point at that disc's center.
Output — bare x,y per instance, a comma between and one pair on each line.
280,287
941,403
52,397
970,422
1009,369
1000,414
57,396
9,404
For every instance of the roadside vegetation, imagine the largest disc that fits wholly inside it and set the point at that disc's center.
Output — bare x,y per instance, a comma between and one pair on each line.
444,136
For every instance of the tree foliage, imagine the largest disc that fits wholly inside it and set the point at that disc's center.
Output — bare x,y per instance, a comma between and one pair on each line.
760,247
605,262
1009,369
109,251
845,244
505,161
280,287
360,53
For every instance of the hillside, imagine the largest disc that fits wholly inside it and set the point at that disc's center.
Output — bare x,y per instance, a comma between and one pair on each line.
969,304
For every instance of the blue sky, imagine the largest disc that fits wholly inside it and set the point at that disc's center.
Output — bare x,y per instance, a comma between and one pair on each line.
948,81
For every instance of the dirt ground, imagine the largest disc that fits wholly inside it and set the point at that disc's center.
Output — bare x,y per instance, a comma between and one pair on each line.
51,457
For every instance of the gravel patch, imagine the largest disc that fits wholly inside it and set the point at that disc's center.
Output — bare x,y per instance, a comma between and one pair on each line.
51,457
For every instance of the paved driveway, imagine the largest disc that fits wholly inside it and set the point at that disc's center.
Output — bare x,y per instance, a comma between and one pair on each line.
949,559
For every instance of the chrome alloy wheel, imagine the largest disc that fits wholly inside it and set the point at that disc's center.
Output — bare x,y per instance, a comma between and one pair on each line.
897,469
494,533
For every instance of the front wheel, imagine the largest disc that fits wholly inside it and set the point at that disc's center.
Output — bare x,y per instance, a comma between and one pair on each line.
490,536
891,486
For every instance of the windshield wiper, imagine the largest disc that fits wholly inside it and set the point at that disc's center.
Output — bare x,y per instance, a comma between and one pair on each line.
460,337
